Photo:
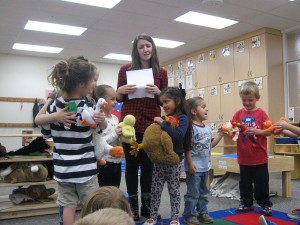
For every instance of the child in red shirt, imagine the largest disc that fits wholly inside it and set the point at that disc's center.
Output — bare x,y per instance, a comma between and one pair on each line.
252,152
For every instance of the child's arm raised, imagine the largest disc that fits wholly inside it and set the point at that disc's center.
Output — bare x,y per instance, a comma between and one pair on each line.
288,129
218,138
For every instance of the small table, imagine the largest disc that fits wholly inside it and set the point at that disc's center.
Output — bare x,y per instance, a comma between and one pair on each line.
276,163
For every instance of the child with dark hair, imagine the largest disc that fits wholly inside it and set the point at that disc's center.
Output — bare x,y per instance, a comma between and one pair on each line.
198,164
144,56
110,172
174,104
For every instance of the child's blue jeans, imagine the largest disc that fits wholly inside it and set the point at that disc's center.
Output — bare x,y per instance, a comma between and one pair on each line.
196,197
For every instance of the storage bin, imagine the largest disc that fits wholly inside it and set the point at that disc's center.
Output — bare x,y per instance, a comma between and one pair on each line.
286,140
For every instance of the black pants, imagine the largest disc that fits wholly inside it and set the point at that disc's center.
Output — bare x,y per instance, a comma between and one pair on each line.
109,174
259,176
132,166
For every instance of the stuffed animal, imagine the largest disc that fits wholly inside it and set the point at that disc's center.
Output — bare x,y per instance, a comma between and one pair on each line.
37,147
268,126
25,172
101,146
231,129
128,131
234,128
39,192
2,150
87,115
33,192
158,144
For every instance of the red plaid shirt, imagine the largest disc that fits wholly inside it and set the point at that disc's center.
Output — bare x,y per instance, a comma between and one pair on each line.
144,109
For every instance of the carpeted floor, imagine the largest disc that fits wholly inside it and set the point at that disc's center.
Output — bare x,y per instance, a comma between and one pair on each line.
230,217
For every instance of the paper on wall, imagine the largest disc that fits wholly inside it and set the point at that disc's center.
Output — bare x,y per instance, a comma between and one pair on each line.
140,78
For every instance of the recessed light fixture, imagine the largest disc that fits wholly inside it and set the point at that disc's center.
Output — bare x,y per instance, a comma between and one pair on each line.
118,56
99,3
36,48
54,28
167,43
205,20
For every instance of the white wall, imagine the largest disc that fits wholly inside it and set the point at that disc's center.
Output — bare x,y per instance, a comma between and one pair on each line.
24,76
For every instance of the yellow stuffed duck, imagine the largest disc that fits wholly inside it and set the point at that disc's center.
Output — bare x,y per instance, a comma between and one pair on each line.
128,131
158,144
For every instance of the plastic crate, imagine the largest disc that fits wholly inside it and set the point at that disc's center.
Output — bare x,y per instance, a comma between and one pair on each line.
286,140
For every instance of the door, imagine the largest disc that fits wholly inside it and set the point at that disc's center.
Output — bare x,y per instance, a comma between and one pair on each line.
293,91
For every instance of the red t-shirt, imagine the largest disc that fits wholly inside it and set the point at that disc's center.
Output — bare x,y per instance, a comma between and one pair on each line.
144,109
251,150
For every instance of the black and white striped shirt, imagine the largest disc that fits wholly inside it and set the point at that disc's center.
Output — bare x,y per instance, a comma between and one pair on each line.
73,158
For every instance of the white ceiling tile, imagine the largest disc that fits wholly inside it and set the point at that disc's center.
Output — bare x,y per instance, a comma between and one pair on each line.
261,5
112,30
276,22
289,11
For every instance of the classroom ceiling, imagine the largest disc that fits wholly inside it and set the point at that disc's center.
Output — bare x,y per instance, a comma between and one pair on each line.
112,30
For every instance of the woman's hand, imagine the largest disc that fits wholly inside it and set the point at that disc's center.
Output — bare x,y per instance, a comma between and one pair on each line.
127,89
152,89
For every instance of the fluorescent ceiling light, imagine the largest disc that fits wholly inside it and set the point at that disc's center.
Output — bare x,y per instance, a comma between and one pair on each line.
54,28
205,20
99,3
167,43
118,56
36,48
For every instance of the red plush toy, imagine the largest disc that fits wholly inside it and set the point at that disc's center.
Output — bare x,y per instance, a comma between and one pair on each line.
269,127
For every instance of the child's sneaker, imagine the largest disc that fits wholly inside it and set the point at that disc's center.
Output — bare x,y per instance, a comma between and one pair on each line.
267,211
263,221
192,220
295,214
175,222
205,218
243,208
149,222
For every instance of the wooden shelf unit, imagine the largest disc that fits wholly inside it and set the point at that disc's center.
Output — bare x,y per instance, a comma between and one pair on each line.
8,209
290,150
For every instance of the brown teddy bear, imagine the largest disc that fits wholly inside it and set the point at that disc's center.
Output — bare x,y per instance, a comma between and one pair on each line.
25,172
158,144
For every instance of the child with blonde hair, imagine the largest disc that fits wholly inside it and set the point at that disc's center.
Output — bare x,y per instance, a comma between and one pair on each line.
252,153
105,197
107,216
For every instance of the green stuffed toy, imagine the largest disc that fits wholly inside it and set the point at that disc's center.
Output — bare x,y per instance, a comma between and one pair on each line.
128,131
